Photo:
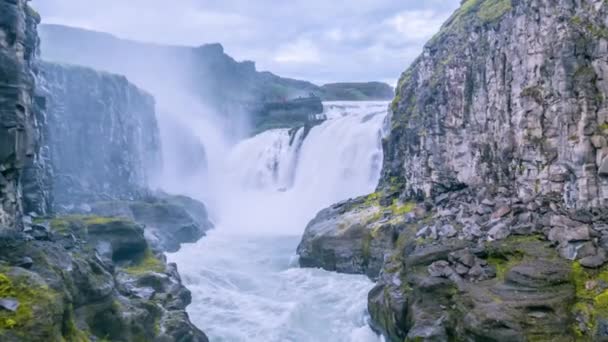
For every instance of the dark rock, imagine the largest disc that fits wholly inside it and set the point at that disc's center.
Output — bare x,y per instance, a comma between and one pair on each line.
26,262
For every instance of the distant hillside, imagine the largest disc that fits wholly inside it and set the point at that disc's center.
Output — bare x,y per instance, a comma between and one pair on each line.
357,91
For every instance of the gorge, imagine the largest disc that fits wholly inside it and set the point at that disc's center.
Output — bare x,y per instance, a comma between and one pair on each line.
170,193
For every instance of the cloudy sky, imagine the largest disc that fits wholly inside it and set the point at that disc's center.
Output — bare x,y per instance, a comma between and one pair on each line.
317,40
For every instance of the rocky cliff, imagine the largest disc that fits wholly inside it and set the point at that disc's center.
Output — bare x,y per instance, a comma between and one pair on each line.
20,126
103,136
82,277
490,219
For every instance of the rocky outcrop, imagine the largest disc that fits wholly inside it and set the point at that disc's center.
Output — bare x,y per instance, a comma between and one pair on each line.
169,220
364,91
496,147
20,128
103,137
87,278
79,278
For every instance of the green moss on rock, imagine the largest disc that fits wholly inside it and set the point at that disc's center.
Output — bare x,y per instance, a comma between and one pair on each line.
37,305
492,10
148,263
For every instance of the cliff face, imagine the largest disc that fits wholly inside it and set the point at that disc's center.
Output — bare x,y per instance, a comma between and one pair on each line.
508,93
490,219
82,278
19,122
102,135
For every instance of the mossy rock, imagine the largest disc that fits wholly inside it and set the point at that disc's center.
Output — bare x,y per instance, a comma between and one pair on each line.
40,312
147,263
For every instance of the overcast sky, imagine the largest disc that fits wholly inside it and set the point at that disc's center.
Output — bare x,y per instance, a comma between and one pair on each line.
316,40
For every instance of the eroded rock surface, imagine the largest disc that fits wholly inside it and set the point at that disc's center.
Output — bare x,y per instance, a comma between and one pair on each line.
91,278
103,135
20,128
496,149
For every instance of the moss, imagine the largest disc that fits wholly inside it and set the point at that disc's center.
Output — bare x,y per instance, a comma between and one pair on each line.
30,297
71,332
591,301
593,29
33,13
604,127
372,199
97,220
148,263
503,263
534,92
402,209
366,248
492,10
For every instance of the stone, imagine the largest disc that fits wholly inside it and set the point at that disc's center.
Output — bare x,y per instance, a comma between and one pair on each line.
440,269
501,212
25,262
472,231
447,231
464,257
146,293
569,234
498,232
9,304
595,261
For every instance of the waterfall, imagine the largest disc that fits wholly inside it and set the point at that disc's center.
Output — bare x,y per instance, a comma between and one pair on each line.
244,276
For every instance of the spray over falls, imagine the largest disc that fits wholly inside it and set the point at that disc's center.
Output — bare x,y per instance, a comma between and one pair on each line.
244,275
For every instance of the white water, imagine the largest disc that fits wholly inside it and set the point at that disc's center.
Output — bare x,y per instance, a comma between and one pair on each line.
244,276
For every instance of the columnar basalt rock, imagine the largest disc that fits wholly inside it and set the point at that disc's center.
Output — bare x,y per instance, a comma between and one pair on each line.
516,99
103,136
498,134
19,121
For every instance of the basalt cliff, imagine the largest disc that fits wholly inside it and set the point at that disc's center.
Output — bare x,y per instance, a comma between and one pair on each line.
490,220
81,235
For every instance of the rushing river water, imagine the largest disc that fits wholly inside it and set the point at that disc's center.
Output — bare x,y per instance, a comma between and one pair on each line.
244,276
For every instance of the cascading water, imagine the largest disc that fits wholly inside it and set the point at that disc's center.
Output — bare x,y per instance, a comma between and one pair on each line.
244,276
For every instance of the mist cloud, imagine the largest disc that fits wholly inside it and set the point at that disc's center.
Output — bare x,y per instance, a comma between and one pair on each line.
317,40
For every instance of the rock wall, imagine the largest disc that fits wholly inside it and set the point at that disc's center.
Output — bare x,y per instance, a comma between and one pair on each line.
20,128
490,221
102,135
508,93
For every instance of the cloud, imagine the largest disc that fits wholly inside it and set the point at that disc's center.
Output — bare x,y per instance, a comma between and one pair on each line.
300,51
317,40
416,25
